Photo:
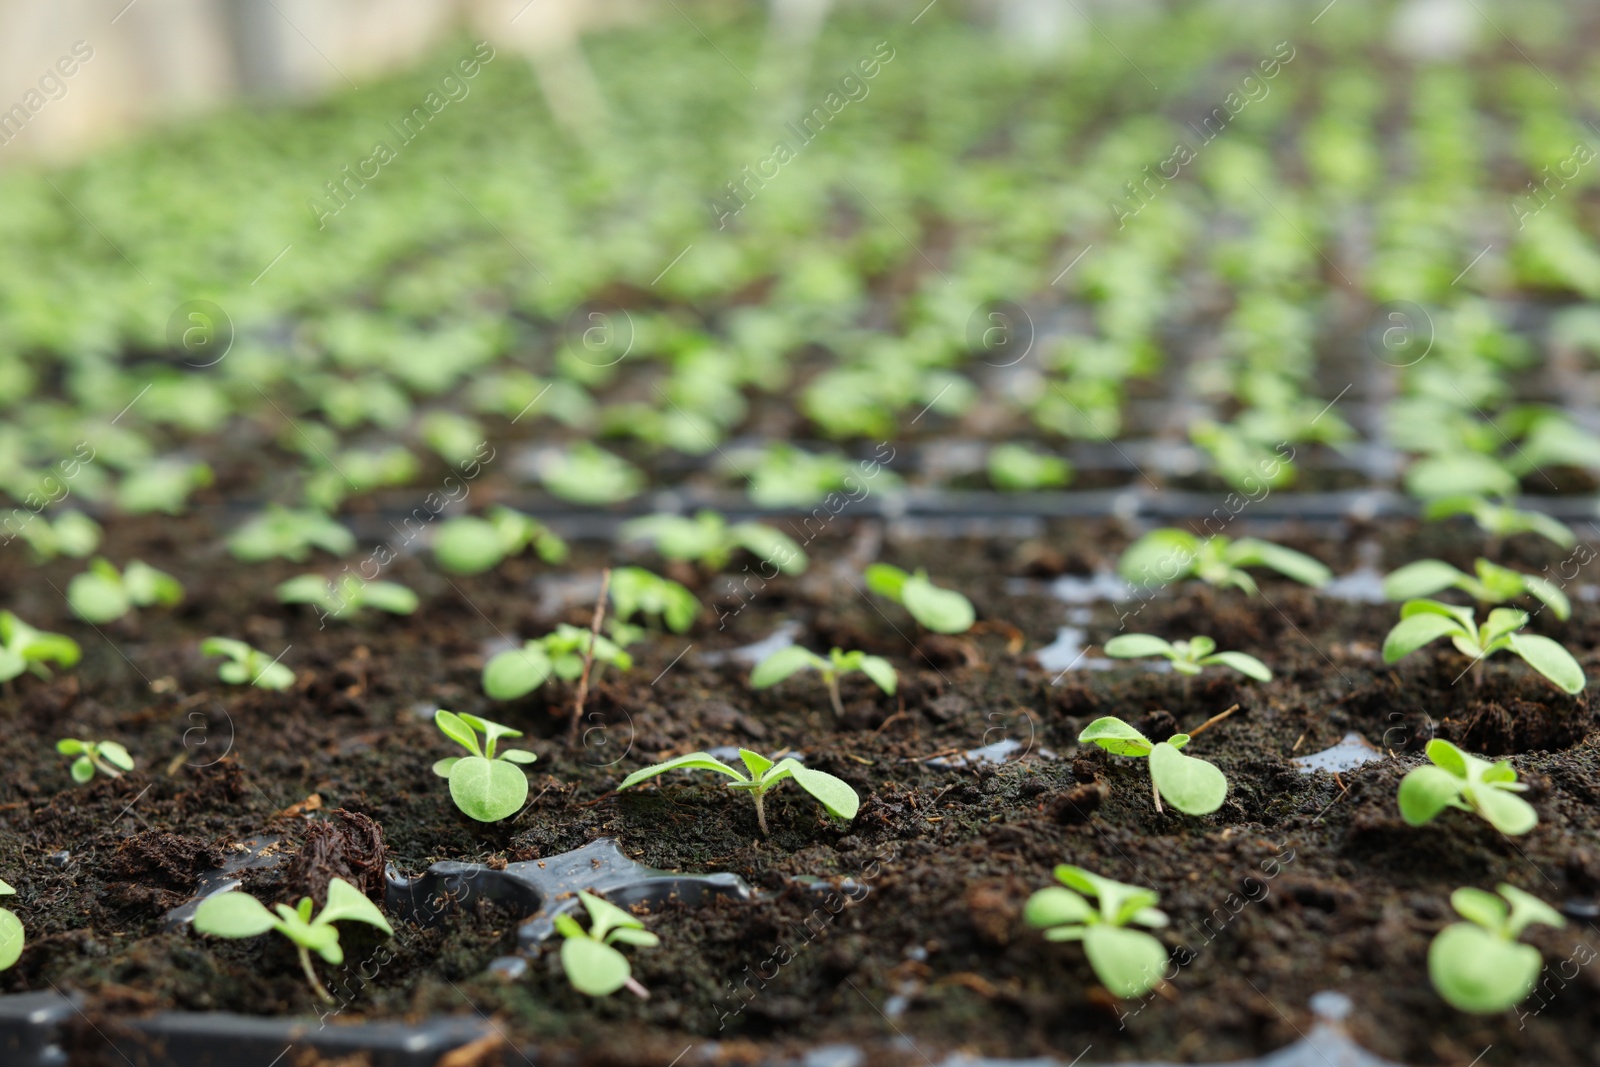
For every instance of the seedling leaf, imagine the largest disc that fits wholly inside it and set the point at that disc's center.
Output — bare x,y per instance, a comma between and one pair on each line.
1191,785
1551,660
488,790
1128,962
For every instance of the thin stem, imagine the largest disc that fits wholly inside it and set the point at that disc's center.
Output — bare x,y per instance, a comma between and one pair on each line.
1155,793
632,985
761,811
104,767
311,975
833,692
1477,672
588,659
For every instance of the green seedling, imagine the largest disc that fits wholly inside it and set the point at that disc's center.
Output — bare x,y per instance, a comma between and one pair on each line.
1501,520
163,485
588,475
470,545
101,594
281,533
71,534
486,786
11,933
107,757
22,648
348,596
1191,785
246,665
517,672
635,590
1479,966
1169,555
787,661
234,914
1128,962
1493,585
943,611
1017,468
1457,779
709,540
1188,657
832,793
593,966
1424,621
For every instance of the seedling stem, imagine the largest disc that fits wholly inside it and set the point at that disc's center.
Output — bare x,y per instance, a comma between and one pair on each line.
588,659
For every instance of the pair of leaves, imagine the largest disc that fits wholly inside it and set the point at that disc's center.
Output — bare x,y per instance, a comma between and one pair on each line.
349,595
1458,779
1501,520
1127,962
486,786
1478,966
1189,784
102,594
591,964
832,793
281,532
23,648
247,666
72,534
470,545
788,661
1492,585
709,539
1169,555
106,756
1187,657
519,671
1425,621
11,933
943,611
236,915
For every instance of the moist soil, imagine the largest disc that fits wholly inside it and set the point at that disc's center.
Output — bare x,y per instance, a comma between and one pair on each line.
1299,883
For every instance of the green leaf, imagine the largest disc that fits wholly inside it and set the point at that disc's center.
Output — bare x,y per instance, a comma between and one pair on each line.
1129,963
1447,756
1551,660
488,790
698,761
943,611
346,903
1412,633
518,755
1527,909
755,763
833,793
492,731
1250,552
1114,735
516,671
1458,474
1548,594
224,646
1483,908
629,936
1243,663
456,729
1137,646
1159,557
233,914
1191,785
1501,622
116,755
771,546
309,589
1479,972
604,916
886,580
1420,579
269,674
783,663
1055,906
96,598
881,671
593,968
82,769
1505,811
442,767
11,939
1425,792
468,545
69,746
147,586
392,597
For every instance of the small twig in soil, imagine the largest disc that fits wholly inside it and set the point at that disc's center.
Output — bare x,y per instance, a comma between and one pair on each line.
887,722
588,659
1218,717
1297,741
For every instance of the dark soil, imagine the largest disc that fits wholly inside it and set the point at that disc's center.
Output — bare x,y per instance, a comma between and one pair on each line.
1299,883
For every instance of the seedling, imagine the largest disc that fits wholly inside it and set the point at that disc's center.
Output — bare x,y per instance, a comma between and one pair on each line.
234,914
107,757
22,648
1493,585
348,596
485,785
1128,962
1188,657
1458,779
101,594
1479,966
469,545
832,793
1018,468
280,532
1191,785
588,475
11,933
71,534
943,611
1424,621
247,666
592,965
163,485
519,671
1500,520
709,540
1169,555
786,661
636,590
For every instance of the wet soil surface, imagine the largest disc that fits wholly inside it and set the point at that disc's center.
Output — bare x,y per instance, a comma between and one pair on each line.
1300,883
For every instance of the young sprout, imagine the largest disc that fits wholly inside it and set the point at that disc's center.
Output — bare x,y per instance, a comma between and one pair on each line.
1494,584
485,785
1018,468
1479,966
1500,520
709,540
832,793
290,534
11,933
1169,555
592,965
247,666
107,757
235,914
101,594
469,545
1458,779
163,485
786,661
22,648
1191,785
943,611
1425,621
348,596
1188,657
72,534
588,475
1128,962
636,590
519,671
